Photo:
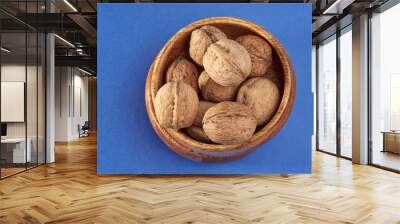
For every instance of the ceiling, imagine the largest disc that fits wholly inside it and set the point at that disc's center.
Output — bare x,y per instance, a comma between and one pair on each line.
75,22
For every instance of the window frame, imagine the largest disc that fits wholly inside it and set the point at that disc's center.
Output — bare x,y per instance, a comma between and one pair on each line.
337,35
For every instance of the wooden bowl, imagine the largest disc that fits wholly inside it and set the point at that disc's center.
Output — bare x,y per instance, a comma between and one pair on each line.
178,45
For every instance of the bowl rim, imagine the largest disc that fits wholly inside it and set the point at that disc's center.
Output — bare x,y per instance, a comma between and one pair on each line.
174,138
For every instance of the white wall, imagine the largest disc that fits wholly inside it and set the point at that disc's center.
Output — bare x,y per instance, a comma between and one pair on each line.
33,127
80,114
62,82
16,73
71,93
314,91
10,73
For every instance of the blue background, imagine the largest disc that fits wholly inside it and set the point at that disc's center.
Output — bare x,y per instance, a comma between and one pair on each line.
130,36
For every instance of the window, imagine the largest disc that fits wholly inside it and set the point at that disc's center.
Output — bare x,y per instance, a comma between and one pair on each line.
334,62
327,96
385,89
346,92
22,101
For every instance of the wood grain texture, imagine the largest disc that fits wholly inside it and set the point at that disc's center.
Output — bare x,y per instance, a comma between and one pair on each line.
70,191
178,46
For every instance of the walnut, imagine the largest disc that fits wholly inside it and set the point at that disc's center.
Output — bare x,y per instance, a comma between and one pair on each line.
227,62
198,134
203,107
229,123
201,39
210,90
260,53
183,69
176,105
262,96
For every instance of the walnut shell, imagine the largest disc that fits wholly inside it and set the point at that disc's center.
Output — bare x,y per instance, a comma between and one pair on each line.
203,107
201,39
183,70
262,97
275,74
210,90
176,105
260,53
198,134
227,62
229,123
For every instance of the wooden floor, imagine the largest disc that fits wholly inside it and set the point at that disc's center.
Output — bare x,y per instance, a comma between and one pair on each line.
387,159
5,172
69,191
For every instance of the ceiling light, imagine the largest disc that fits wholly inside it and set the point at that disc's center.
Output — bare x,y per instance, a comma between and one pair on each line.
333,6
84,71
5,50
65,41
70,5
80,51
337,7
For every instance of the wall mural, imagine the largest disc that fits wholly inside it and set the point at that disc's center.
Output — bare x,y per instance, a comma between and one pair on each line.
206,82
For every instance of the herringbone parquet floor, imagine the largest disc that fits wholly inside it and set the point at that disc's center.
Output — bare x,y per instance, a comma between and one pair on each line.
69,191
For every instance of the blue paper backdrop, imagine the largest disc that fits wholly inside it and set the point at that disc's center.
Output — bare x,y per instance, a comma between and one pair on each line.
130,36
